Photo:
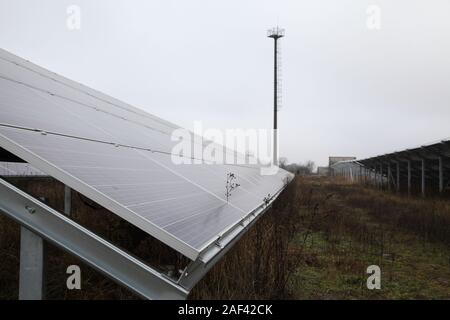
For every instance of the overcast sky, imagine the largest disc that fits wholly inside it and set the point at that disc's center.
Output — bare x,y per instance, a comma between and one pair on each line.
347,89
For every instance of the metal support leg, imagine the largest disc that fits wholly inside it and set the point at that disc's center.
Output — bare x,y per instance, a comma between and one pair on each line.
32,266
389,177
374,177
381,177
82,243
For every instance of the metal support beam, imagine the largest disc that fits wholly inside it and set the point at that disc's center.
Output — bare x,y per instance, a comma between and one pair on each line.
374,180
32,266
381,176
389,176
93,250
364,175
441,174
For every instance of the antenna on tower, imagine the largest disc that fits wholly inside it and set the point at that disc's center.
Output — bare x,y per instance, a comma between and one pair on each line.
276,33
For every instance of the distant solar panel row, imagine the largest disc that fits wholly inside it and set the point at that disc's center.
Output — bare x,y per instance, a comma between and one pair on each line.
13,169
120,157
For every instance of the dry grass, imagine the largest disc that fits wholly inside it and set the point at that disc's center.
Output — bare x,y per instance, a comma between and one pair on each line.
314,243
260,265
407,237
264,255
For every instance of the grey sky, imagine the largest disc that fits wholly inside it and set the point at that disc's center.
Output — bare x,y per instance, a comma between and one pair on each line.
347,90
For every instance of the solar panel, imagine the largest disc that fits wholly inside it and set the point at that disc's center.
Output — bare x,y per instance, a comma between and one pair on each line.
120,157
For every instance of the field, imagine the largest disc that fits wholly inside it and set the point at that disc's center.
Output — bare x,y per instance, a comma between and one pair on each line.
356,227
316,242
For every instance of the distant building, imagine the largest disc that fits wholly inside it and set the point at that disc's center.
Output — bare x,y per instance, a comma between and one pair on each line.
323,171
333,160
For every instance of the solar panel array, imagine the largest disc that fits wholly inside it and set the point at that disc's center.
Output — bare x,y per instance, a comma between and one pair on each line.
120,156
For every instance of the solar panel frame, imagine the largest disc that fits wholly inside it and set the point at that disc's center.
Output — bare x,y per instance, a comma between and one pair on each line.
98,197
250,188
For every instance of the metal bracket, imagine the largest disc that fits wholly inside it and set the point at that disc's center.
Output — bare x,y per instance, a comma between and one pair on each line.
197,269
110,260
90,248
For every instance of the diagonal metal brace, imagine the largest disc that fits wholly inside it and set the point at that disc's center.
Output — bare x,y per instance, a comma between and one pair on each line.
90,248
